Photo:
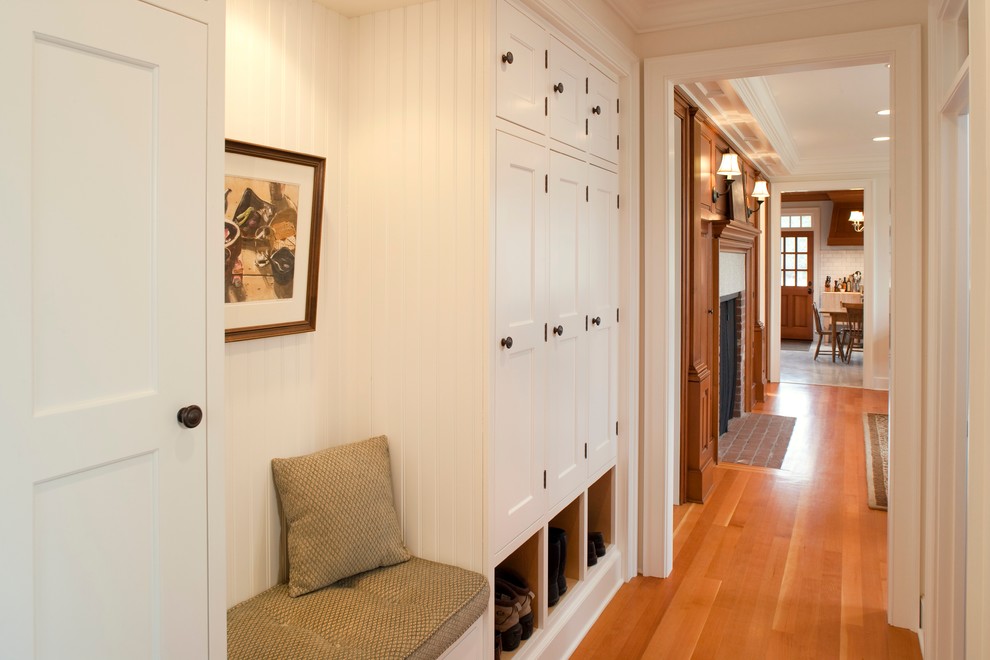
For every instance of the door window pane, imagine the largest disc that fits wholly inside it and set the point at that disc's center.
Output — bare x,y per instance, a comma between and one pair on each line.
802,244
785,221
802,261
789,261
789,244
789,278
802,278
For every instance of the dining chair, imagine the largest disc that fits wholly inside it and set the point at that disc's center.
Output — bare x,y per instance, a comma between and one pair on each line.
819,328
853,330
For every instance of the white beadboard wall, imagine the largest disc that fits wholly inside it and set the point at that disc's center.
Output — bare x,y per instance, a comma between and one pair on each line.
395,101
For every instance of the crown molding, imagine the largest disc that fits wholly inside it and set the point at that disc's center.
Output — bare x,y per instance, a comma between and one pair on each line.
755,94
645,16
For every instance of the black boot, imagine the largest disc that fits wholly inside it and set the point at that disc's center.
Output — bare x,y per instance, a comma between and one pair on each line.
553,567
592,557
557,535
598,539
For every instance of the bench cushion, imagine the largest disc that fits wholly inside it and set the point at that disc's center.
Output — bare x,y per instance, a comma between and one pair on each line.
412,610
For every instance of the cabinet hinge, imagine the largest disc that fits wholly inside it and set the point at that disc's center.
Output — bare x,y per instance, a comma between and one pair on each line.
616,141
585,126
545,332
586,450
616,106
587,194
617,427
546,59
544,480
585,85
616,201
546,183
616,314
585,322
546,106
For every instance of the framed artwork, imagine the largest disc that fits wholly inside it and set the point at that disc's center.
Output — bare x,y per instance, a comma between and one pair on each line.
273,210
738,202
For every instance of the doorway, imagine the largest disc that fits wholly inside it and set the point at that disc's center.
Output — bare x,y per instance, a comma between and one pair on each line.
902,48
797,262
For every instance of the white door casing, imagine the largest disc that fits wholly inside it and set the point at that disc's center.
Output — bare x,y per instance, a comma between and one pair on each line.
603,329
521,72
104,492
567,337
520,312
567,88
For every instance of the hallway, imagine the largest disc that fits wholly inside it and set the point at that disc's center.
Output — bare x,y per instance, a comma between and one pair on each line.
785,564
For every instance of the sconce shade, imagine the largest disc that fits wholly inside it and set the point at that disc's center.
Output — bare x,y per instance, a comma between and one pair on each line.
760,190
857,219
729,167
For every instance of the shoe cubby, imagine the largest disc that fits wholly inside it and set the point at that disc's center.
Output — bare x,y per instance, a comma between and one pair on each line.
525,562
570,519
601,507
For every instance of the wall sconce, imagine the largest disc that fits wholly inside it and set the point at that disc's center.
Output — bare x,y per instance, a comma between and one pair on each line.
760,194
729,168
857,219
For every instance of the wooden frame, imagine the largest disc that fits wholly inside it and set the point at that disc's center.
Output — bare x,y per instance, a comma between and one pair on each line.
273,211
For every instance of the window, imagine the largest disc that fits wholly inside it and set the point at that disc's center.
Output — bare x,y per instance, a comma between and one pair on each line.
794,261
795,222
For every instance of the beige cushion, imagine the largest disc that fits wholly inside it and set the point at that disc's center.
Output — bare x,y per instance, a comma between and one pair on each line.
339,515
413,610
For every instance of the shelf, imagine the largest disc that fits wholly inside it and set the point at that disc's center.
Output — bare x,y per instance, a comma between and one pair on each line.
601,504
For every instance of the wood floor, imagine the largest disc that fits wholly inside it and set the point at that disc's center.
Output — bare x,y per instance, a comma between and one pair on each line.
786,563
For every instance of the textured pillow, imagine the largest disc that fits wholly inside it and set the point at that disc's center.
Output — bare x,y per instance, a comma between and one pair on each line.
338,510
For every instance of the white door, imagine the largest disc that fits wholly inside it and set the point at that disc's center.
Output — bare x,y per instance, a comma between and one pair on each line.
104,216
520,322
567,355
603,337
521,70
603,131
568,90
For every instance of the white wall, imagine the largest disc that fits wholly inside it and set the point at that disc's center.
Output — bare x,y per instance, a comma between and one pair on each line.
731,273
394,101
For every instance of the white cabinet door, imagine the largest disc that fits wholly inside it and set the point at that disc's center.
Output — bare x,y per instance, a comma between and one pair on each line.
567,355
520,351
568,95
105,223
521,70
603,123
603,336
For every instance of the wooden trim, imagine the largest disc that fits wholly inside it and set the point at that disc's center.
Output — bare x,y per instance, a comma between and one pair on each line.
686,113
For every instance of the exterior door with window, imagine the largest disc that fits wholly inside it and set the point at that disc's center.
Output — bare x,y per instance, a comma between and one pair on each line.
797,252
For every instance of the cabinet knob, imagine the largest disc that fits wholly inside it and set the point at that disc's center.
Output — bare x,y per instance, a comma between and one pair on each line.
597,110
597,320
559,331
507,342
190,416
507,58
559,88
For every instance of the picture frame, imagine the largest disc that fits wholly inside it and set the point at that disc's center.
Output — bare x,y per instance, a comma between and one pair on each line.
273,216
738,201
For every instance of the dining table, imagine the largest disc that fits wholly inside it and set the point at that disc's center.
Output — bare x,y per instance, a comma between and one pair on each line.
833,304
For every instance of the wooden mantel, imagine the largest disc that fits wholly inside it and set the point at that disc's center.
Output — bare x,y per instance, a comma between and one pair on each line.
734,234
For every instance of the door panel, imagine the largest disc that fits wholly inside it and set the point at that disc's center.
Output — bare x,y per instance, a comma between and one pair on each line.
568,96
567,356
603,331
520,313
522,88
603,116
797,253
107,493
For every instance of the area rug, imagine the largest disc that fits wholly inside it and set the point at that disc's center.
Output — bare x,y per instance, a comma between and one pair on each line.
876,433
756,439
795,345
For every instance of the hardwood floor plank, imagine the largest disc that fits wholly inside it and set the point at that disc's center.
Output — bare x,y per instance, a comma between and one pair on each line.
786,564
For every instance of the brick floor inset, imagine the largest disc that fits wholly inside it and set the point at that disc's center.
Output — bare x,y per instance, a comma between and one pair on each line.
756,439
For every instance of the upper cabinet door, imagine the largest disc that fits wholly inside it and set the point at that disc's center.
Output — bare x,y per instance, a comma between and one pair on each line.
603,120
603,329
521,95
520,347
568,90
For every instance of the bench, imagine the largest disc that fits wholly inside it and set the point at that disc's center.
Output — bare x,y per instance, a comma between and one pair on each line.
410,608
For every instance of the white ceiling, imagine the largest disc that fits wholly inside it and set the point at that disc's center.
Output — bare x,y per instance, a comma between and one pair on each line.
804,124
651,15
352,8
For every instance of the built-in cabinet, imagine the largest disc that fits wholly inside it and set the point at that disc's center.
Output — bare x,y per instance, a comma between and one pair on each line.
556,313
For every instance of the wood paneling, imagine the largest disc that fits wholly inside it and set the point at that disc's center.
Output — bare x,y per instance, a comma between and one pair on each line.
395,102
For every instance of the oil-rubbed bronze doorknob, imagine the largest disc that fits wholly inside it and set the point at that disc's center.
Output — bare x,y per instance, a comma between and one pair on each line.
507,58
507,342
597,110
190,416
559,331
597,320
559,88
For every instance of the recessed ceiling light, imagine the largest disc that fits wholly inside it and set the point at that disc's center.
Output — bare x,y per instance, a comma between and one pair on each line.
883,113
882,138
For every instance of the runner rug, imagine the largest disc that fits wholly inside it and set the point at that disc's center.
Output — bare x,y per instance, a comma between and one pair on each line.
756,439
875,430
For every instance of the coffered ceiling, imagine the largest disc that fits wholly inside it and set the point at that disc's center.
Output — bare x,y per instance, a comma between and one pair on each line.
652,15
